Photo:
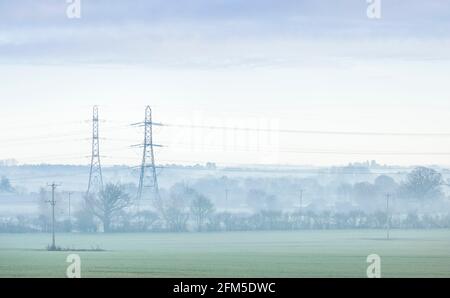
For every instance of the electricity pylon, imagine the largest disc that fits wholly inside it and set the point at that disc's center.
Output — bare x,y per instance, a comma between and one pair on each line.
95,174
148,178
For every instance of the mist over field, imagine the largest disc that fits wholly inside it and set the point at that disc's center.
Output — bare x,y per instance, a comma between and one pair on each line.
231,198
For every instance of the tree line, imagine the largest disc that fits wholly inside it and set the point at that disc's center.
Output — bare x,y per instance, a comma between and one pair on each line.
193,207
149,221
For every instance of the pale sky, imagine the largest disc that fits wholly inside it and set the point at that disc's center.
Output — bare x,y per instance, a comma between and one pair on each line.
312,66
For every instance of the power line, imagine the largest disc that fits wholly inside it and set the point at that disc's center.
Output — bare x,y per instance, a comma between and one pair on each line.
42,125
59,175
62,135
59,135
307,151
316,132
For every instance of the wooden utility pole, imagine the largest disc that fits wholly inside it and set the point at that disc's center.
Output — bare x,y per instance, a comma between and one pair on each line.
226,199
300,207
388,217
53,203
70,217
301,201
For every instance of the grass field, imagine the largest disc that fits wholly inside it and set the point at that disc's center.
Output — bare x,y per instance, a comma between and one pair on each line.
424,253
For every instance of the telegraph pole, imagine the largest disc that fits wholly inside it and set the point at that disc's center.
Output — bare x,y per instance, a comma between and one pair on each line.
388,196
300,208
53,203
301,201
70,217
226,198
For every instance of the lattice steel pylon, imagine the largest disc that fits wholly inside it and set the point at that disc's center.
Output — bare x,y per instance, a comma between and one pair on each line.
95,175
148,178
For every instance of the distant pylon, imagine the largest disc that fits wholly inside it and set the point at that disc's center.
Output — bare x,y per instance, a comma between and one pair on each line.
95,175
148,178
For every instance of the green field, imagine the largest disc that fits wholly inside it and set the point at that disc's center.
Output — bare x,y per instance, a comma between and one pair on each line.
424,253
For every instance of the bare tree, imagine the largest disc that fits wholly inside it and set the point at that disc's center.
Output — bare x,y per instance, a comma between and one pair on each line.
147,220
108,203
84,219
175,207
201,208
5,185
423,183
176,219
175,212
